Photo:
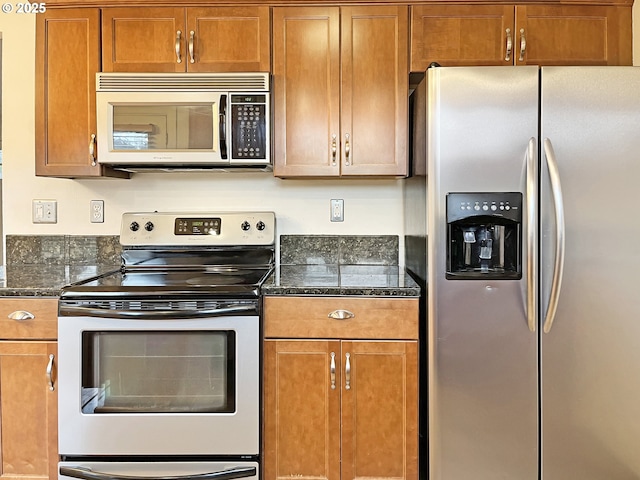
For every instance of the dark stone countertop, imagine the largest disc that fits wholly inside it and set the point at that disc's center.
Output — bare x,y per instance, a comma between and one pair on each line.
371,280
45,280
362,280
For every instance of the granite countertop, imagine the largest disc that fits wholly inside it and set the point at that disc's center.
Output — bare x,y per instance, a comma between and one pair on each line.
373,280
45,280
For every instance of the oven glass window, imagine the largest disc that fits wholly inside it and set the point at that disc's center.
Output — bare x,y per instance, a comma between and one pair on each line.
155,372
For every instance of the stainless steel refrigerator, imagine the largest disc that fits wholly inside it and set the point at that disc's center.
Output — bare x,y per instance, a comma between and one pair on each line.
523,225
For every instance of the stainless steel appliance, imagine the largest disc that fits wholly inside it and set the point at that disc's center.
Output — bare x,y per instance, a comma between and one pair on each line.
183,120
533,365
160,361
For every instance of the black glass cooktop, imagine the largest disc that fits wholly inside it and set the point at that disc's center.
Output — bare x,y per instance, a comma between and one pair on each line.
227,281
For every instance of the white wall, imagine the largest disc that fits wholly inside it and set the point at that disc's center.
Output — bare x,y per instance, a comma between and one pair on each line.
371,206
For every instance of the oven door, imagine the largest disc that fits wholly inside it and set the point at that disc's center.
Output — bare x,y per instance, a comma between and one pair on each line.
158,387
157,470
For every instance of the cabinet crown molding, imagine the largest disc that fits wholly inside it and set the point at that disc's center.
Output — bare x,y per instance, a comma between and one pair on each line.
307,3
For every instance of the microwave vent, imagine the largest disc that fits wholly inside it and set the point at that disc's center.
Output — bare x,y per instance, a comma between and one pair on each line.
169,82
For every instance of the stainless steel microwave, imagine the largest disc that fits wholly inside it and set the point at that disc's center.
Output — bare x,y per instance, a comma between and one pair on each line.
183,120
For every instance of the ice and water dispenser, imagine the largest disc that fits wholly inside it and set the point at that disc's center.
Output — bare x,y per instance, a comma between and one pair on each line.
484,236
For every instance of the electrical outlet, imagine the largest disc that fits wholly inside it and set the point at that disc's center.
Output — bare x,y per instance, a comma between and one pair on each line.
45,211
337,210
97,211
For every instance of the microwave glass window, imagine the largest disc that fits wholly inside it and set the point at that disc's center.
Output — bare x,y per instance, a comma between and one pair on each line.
158,372
163,127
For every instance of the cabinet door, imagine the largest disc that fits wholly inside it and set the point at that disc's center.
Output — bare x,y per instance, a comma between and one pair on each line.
229,39
380,410
460,35
375,82
306,91
144,39
28,411
573,35
67,60
301,409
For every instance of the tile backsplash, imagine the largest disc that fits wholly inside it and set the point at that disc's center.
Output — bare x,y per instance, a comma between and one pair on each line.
339,250
63,249
294,250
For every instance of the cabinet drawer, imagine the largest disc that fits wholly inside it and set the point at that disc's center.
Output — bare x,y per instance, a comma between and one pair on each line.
373,318
44,325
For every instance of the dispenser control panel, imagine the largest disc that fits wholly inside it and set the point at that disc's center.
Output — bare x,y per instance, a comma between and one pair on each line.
463,205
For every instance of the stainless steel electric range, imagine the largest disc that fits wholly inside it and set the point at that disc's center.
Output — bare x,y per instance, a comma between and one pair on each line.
159,362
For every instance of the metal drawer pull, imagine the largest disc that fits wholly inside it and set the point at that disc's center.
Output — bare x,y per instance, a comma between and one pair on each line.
21,315
333,371
341,315
507,58
50,372
347,372
192,58
178,39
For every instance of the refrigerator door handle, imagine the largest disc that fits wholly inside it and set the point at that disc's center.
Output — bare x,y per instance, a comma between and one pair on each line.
556,190
532,261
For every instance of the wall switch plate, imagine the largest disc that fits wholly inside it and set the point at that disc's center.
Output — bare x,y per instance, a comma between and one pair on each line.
97,211
337,210
45,211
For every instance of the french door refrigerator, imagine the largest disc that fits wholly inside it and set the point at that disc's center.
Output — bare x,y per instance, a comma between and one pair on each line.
523,225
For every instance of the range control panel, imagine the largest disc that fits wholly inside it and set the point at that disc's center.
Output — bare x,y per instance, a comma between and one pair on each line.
198,229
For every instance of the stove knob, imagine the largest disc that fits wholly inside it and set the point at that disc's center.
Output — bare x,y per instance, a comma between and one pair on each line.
134,226
260,225
245,226
148,226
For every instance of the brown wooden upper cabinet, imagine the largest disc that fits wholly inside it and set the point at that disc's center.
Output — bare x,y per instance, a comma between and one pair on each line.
340,83
191,39
67,60
520,35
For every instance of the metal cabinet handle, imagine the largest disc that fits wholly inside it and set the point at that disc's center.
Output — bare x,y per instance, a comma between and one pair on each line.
178,42
347,372
556,189
507,57
332,371
347,149
523,45
21,315
334,149
92,149
50,372
341,315
192,58
532,229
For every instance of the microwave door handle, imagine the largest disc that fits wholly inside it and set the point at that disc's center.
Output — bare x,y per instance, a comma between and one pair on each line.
222,127
84,473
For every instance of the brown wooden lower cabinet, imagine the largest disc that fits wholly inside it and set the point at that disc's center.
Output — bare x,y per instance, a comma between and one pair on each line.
360,421
340,408
28,410
28,406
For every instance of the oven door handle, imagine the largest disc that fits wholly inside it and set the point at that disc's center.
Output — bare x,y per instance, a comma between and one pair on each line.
88,474
70,311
